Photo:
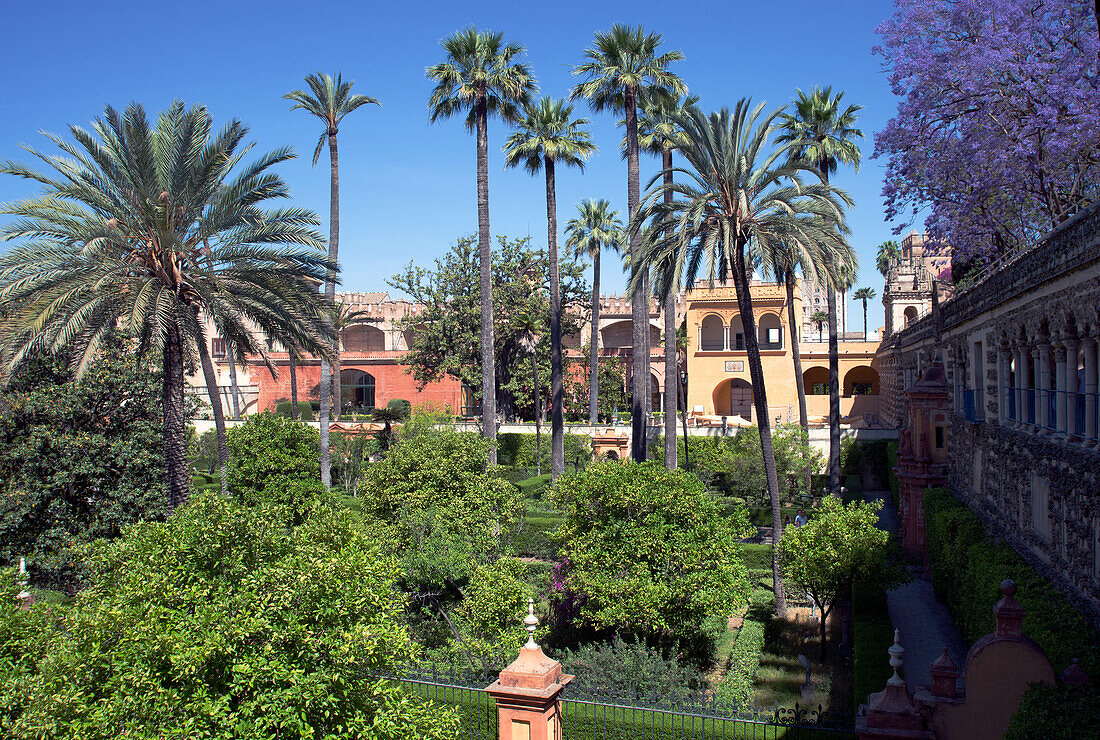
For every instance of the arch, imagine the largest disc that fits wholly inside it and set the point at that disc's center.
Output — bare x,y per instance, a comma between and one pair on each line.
611,455
737,334
712,334
861,381
733,398
363,339
910,315
816,381
357,390
617,335
656,398
770,331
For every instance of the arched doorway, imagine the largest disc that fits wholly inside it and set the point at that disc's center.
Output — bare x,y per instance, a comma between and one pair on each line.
656,398
712,334
861,381
357,391
770,331
733,398
910,315
816,381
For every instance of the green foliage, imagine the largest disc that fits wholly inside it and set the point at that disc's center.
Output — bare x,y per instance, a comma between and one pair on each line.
891,477
967,569
648,549
490,616
202,449
221,623
1056,713
350,453
286,409
446,511
872,636
275,460
533,487
613,392
840,545
518,449
401,406
632,669
446,334
535,539
735,689
78,460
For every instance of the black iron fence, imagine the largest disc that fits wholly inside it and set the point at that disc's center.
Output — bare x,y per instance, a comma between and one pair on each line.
593,714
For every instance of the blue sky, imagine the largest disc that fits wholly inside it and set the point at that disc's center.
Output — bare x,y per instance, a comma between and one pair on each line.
408,187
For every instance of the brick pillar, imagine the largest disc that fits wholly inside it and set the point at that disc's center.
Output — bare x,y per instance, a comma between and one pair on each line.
527,691
1009,612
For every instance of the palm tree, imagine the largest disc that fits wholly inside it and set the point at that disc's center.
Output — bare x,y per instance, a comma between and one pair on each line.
624,67
330,100
736,201
152,229
888,253
291,362
824,134
658,134
596,228
548,135
387,415
820,319
864,295
482,77
231,355
344,317
527,328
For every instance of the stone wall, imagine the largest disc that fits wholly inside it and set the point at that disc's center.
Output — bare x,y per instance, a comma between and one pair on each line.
1020,351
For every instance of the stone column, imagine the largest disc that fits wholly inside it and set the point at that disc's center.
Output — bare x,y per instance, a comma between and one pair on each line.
527,691
1058,383
1022,382
1070,385
1090,390
1042,407
726,336
1004,374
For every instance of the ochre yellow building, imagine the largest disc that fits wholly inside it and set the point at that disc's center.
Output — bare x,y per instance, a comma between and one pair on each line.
718,373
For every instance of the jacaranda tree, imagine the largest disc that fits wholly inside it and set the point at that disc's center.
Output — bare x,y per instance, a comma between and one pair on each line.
149,229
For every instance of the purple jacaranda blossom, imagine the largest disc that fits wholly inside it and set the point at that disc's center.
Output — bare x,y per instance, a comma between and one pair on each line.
997,133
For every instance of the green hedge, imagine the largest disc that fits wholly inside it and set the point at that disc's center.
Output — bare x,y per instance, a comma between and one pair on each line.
518,449
305,410
735,690
872,636
967,569
533,487
892,478
1056,713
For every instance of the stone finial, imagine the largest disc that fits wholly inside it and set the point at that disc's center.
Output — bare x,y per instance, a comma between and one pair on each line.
944,675
531,622
897,653
1009,612
1074,675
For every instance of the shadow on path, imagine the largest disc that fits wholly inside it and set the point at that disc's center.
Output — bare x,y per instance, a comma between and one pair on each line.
925,625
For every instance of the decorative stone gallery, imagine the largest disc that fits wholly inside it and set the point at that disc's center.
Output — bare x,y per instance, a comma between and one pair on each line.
1015,356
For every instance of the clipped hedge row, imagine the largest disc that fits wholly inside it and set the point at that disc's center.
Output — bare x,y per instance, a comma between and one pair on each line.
967,569
872,636
735,690
1056,713
518,449
305,410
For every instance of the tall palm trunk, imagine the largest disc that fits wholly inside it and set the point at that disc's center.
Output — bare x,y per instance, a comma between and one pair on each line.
232,354
214,394
538,417
763,423
670,345
488,363
639,301
293,386
594,347
175,438
557,421
647,411
799,383
865,307
834,377
684,421
330,299
337,389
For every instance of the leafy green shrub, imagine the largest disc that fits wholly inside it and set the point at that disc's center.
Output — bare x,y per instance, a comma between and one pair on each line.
78,460
267,451
518,449
446,510
535,539
872,636
967,569
490,616
735,689
400,405
533,487
632,669
1056,713
286,408
220,623
648,550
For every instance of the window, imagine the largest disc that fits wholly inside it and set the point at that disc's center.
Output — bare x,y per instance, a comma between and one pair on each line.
217,348
861,389
939,438
819,389
773,336
739,344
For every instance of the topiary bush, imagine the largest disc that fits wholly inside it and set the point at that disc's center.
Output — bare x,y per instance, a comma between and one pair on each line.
401,406
285,409
967,569
220,623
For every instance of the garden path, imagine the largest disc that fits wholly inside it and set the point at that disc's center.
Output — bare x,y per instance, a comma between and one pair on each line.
925,625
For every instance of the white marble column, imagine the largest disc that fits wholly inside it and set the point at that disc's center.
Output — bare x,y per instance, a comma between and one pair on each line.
726,337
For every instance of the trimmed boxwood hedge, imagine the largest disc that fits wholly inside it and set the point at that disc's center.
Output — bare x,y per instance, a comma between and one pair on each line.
1056,713
305,410
967,569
